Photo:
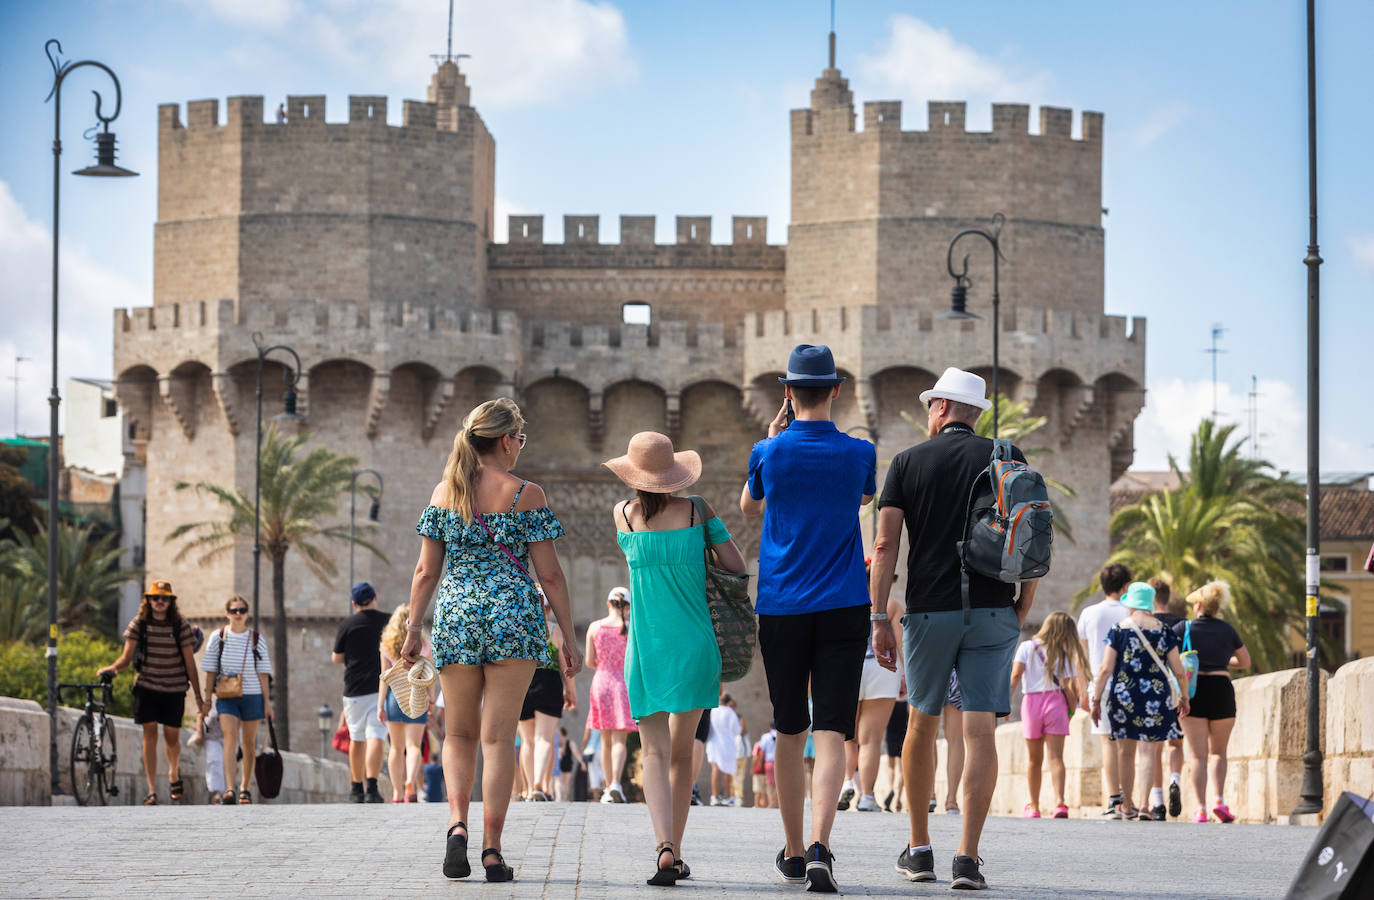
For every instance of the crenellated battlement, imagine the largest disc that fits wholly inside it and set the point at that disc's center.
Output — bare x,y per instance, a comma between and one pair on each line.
636,232
665,336
1060,324
303,317
948,119
302,111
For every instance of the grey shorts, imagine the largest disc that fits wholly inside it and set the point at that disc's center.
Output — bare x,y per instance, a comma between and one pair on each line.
936,644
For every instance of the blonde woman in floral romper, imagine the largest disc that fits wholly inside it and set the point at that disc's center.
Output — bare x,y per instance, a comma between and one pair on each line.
486,536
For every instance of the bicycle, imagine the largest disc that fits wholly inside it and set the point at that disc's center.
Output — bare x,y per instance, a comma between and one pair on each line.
93,745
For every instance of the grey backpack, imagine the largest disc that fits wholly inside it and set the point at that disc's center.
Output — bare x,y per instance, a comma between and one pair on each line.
1009,525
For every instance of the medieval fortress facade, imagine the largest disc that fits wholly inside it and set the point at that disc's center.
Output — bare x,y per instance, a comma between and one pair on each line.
368,248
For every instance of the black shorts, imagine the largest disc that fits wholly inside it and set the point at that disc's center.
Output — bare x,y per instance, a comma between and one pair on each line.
162,707
545,695
704,726
1215,698
820,650
896,728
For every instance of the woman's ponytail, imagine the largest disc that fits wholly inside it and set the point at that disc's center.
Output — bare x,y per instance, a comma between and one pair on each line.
482,429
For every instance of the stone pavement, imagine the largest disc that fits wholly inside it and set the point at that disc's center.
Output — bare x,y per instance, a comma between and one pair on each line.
593,850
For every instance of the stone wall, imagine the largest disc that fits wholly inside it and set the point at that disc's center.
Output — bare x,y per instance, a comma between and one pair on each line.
24,776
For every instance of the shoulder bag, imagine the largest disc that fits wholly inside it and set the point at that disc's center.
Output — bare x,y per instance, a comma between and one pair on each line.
1174,693
1070,693
227,687
731,610
268,767
1190,659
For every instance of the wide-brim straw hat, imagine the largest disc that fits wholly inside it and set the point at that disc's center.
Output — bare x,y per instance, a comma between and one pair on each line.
650,464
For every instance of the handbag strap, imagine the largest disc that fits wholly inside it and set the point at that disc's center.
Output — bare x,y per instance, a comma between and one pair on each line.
504,549
1153,655
1046,663
1188,636
699,505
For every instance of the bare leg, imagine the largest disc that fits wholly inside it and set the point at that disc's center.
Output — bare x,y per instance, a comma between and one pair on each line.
357,759
980,777
1035,760
1195,732
150,755
1054,743
373,761
1157,755
1126,750
1175,756
1111,766
918,771
248,738
526,760
655,739
415,735
230,724
616,756
171,736
682,732
791,777
396,758
1147,775
826,781
715,780
851,751
545,726
462,686
872,725
503,693
1219,736
954,752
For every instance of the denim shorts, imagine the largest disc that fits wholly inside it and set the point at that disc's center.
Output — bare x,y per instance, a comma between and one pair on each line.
934,644
394,714
248,708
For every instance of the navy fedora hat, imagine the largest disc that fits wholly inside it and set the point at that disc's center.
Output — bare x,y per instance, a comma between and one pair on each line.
811,366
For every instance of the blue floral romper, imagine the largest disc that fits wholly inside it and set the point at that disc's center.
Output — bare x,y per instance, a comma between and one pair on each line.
487,610
1138,693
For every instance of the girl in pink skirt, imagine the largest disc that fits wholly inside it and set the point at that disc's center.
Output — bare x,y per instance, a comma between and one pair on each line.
609,710
1045,708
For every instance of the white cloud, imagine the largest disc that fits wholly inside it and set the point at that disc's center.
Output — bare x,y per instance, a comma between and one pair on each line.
1362,248
922,61
524,52
1157,124
89,294
1174,407
247,12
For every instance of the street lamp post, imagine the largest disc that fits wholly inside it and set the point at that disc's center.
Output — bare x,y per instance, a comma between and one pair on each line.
958,295
372,513
1312,790
105,166
324,720
289,377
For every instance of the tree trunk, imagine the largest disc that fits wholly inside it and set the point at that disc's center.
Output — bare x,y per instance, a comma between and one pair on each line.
281,666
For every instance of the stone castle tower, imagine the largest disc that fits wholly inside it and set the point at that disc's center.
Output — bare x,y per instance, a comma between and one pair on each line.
367,247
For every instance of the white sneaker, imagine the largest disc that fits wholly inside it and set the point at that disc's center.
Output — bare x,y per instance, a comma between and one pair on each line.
606,797
867,804
730,801
715,801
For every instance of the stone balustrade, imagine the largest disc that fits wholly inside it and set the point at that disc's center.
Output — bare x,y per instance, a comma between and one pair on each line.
24,778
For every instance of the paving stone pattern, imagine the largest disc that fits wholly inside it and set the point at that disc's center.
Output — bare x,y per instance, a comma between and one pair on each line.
592,850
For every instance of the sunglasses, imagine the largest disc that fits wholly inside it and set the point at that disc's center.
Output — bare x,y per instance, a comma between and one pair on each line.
521,438
157,598
239,611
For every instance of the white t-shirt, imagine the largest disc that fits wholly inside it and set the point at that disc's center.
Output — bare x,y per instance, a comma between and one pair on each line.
768,744
1036,679
1093,625
238,657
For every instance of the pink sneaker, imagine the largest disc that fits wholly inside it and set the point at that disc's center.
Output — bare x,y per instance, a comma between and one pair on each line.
1061,811
1200,817
1222,812
1030,813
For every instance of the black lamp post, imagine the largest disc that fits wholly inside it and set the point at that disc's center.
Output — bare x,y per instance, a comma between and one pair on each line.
373,511
958,295
289,377
1312,789
104,166
324,720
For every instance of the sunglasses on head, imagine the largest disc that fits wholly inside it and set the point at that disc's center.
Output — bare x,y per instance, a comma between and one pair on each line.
238,611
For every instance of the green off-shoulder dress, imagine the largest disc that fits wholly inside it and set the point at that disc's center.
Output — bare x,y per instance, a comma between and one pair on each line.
672,663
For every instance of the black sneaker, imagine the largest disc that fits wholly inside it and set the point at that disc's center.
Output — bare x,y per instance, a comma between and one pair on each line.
372,796
357,796
966,875
791,869
918,866
1157,813
845,796
820,870
696,795
1111,812
1175,801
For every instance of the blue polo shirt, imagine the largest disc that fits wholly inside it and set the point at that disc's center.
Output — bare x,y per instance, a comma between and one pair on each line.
811,556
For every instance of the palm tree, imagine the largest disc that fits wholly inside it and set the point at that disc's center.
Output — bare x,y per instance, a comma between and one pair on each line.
298,492
88,578
1227,519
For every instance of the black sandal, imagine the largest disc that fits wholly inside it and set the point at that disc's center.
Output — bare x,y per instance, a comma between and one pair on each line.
683,870
456,853
150,800
665,876
497,871
229,798
177,790
245,797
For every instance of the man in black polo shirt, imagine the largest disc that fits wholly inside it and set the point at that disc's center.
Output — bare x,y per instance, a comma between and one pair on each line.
927,489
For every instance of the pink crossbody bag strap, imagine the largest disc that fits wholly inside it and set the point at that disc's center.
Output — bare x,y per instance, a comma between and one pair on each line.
504,549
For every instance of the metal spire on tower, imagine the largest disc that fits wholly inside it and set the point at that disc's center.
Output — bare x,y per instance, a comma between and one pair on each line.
832,33
448,55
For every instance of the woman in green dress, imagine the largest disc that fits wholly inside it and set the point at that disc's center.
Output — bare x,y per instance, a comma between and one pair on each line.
672,663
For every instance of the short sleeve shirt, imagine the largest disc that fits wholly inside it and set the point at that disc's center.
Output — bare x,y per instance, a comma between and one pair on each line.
1093,625
164,666
813,479
1036,678
360,640
930,483
1215,641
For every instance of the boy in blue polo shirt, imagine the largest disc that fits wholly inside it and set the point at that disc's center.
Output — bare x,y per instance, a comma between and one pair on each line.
808,480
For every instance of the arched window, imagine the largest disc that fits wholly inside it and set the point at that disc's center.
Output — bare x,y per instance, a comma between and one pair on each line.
636,313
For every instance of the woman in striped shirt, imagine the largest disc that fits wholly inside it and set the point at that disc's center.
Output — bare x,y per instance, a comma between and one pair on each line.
235,650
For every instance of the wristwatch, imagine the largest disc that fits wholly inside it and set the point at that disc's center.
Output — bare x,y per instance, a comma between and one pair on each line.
877,617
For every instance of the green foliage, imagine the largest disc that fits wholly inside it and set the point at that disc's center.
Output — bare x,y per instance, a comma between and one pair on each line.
88,580
16,492
24,669
1228,519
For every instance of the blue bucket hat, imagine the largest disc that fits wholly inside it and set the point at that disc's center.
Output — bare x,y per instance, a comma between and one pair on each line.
1139,596
362,593
811,366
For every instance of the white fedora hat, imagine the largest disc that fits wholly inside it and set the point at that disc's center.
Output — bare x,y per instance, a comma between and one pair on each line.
961,387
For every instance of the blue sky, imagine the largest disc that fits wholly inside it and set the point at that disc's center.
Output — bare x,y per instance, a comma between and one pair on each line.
642,107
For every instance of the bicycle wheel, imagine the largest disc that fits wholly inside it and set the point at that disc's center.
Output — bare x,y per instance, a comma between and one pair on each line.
84,762
106,752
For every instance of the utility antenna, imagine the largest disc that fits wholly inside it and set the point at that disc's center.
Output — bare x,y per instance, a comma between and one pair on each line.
448,53
1217,332
15,378
1254,418
832,34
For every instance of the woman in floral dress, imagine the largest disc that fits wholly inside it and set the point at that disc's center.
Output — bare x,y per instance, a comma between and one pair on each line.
1143,705
485,536
610,700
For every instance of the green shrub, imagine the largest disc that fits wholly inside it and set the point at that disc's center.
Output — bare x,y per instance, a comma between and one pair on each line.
24,670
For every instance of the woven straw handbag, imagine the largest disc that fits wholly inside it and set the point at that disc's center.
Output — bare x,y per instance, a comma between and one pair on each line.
411,686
